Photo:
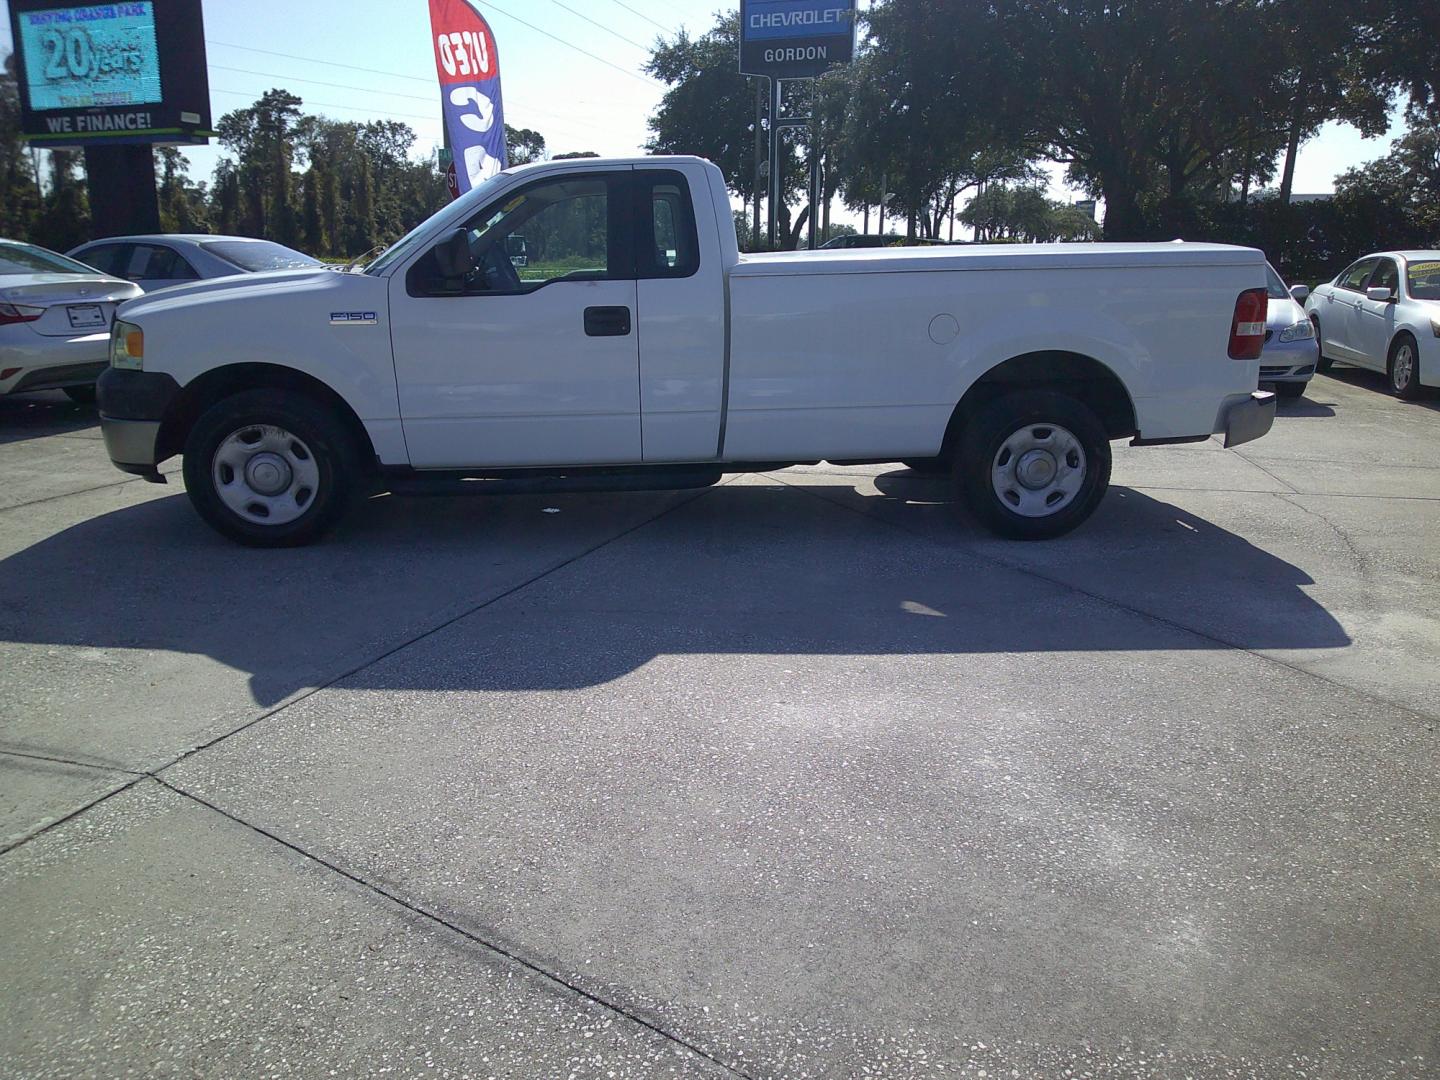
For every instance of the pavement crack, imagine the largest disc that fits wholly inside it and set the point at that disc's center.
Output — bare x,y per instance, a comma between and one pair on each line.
1360,560
652,1025
28,837
72,761
1267,472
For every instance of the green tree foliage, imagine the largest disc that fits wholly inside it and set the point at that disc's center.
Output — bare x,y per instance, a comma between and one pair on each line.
523,146
1024,214
184,205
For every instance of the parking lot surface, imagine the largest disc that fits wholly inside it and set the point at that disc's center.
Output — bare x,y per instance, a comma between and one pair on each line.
790,777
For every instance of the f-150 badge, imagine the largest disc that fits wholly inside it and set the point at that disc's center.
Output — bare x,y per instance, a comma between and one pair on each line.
352,318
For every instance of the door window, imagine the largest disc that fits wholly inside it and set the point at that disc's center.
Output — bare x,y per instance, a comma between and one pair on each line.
1354,279
154,263
666,246
557,230
1387,276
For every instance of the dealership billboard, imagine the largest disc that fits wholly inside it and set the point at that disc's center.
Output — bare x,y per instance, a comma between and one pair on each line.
102,74
795,39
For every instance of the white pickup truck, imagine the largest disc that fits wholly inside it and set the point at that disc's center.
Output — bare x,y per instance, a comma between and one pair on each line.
637,347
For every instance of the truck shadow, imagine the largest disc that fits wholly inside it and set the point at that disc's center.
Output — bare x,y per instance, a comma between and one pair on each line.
753,567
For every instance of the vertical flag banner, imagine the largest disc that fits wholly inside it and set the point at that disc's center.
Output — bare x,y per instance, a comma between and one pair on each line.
469,68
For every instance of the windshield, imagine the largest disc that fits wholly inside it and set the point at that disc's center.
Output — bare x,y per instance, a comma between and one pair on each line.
402,248
1422,279
1274,286
29,259
257,255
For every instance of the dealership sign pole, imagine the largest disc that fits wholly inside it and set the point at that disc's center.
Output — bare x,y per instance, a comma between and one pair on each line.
468,65
793,39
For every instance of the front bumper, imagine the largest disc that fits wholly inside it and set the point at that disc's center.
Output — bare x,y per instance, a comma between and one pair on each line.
1289,361
132,408
1248,419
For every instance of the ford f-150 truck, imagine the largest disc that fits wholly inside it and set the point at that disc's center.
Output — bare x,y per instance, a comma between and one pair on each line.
637,347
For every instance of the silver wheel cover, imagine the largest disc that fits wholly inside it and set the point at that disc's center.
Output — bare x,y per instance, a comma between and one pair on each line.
1038,470
1404,366
265,474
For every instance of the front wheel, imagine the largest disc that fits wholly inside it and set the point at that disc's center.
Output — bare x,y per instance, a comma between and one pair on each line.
1033,465
269,469
1404,368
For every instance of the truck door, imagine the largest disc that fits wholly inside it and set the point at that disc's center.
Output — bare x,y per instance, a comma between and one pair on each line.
681,292
535,364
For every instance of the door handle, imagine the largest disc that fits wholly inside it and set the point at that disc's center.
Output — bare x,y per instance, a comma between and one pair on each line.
607,321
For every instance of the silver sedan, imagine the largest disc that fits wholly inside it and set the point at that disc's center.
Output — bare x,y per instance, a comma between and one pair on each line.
55,316
159,261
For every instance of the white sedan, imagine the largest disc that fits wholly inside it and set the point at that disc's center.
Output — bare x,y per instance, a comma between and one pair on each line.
1383,312
55,316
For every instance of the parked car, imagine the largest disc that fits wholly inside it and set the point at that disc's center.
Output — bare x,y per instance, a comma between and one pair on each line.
1383,312
158,262
613,366
55,316
1291,352
866,240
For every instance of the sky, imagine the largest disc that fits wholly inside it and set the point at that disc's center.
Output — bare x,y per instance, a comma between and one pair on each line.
571,69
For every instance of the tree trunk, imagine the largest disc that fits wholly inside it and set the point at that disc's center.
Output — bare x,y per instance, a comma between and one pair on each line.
865,227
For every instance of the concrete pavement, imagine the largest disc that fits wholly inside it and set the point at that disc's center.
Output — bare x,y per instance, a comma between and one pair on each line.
791,777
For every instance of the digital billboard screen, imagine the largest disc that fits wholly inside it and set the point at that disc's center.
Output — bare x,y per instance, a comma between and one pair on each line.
102,54
131,71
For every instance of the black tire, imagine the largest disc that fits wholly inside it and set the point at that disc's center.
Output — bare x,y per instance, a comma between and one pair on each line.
987,433
81,395
318,432
1404,377
1322,362
1290,389
930,466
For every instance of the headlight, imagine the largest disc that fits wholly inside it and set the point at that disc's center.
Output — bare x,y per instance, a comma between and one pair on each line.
1299,332
1435,327
127,346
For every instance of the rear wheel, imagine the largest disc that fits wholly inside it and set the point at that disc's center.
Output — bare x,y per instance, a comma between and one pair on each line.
270,469
1034,464
1404,368
1322,362
1290,389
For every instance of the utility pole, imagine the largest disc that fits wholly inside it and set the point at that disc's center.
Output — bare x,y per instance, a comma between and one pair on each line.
774,163
759,161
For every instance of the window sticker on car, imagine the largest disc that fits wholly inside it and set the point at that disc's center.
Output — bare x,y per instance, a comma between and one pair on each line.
1424,268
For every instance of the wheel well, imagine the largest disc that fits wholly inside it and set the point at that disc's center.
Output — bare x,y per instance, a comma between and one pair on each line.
201,393
1081,377
1390,352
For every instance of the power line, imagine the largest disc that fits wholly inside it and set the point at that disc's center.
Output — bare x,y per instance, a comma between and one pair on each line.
317,82
602,26
568,45
642,15
313,60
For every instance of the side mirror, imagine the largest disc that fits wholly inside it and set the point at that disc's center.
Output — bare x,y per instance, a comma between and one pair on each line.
1380,296
1300,292
452,255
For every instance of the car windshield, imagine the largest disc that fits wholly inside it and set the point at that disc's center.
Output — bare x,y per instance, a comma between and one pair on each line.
1274,286
1422,279
28,259
257,255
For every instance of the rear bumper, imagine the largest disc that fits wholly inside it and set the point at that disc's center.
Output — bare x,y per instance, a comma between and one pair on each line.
57,377
132,407
1248,419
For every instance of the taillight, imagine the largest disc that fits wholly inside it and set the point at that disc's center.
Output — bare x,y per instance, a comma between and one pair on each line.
1247,329
13,313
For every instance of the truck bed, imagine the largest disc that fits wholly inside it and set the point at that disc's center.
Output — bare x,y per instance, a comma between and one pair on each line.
990,257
